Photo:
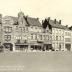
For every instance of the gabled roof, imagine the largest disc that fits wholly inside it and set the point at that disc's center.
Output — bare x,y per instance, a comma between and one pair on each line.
33,21
57,25
29,20
15,19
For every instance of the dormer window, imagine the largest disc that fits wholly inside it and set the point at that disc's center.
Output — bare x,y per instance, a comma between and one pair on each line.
55,21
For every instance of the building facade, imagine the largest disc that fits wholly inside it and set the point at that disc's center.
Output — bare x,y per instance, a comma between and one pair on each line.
61,35
25,33
7,34
67,40
0,30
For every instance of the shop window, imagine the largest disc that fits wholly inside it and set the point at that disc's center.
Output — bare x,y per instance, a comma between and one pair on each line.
68,47
18,41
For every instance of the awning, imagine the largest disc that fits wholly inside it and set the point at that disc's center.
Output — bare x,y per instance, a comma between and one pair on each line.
21,44
28,44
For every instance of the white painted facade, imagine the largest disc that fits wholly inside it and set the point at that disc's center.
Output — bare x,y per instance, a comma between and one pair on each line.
58,39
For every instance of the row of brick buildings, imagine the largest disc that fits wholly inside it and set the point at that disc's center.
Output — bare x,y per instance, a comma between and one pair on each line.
25,33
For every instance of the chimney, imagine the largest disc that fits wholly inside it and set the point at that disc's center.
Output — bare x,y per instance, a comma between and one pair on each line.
37,18
59,21
48,18
42,21
55,21
26,16
66,25
0,18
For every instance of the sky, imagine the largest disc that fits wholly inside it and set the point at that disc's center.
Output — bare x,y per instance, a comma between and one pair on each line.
59,9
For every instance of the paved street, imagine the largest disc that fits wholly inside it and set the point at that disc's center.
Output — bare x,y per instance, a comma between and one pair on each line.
36,62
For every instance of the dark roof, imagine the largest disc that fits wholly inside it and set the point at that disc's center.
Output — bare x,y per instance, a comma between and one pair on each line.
33,21
57,25
30,21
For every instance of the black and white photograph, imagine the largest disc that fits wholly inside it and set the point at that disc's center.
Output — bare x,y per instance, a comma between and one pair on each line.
35,35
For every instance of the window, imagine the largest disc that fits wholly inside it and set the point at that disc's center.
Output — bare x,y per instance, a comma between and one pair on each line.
8,29
16,27
46,37
35,37
31,36
35,27
47,30
24,29
40,37
59,31
67,39
53,37
7,37
18,41
32,27
60,37
67,34
20,28
56,37
53,45
50,37
62,32
56,31
53,31
43,37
